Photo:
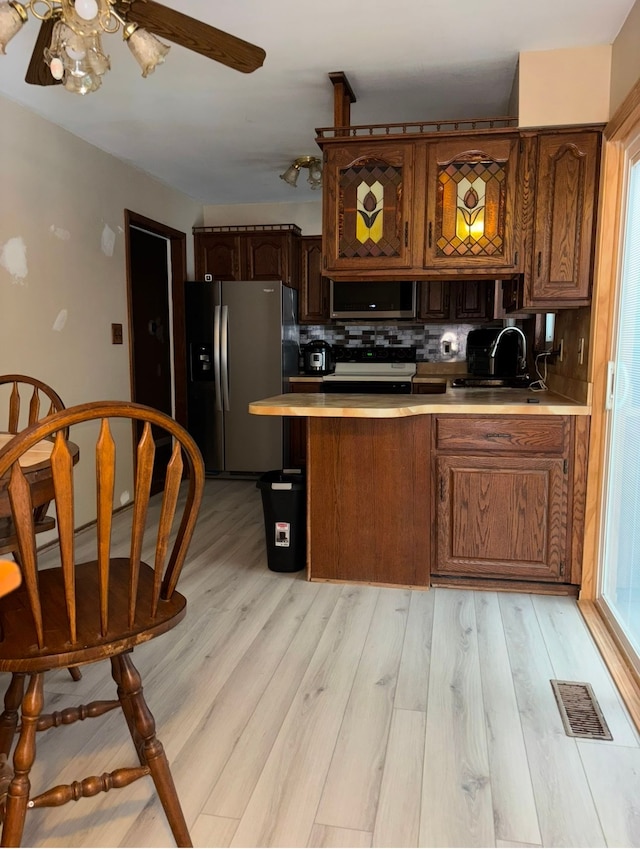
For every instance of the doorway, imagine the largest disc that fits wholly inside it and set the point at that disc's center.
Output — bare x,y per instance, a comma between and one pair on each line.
156,271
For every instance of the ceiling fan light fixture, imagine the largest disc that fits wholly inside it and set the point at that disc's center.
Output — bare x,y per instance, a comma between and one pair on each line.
314,165
88,20
13,17
147,50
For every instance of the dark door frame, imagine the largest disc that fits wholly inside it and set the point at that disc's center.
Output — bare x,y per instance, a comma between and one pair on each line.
178,263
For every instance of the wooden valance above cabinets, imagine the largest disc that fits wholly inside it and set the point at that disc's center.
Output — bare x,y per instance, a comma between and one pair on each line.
481,199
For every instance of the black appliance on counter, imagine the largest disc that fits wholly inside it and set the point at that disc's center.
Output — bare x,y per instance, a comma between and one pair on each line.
507,356
372,370
317,358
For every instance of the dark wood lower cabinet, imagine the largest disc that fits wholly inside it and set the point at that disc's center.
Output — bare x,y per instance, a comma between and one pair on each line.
502,519
508,499
494,501
368,487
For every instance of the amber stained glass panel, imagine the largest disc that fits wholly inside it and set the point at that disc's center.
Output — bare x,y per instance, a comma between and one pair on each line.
470,209
370,211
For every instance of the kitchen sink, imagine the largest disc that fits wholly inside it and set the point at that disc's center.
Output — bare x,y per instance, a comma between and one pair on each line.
492,382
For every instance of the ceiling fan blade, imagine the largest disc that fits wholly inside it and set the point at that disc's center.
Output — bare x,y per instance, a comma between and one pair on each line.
38,72
195,35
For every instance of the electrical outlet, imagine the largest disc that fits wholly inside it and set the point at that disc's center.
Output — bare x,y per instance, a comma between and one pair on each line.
581,351
561,354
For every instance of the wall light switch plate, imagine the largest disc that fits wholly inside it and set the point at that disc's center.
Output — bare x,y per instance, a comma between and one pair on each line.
116,334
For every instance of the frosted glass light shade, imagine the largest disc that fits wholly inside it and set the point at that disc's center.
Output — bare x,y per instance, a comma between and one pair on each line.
12,19
315,174
291,175
82,84
147,50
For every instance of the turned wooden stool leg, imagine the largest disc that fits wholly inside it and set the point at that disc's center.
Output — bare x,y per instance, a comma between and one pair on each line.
23,758
75,673
149,747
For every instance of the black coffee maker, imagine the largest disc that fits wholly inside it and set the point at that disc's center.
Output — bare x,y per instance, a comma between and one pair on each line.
318,358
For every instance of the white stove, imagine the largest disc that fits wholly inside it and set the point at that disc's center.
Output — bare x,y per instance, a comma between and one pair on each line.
375,370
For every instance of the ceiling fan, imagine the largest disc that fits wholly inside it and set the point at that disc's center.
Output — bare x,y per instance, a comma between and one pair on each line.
68,49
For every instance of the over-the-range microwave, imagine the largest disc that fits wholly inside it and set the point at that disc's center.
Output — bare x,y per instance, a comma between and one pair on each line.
373,299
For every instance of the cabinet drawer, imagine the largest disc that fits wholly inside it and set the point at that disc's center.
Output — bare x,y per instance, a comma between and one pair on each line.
508,434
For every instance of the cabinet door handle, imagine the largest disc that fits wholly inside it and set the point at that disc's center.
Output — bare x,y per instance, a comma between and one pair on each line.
515,259
430,233
539,262
406,234
441,488
498,436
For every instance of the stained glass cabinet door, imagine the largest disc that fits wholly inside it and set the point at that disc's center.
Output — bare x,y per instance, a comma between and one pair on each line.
471,204
367,206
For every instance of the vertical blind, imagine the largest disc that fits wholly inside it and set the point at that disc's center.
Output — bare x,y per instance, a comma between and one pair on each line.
621,550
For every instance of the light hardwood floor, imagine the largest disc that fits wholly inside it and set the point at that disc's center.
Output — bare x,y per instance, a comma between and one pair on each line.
300,714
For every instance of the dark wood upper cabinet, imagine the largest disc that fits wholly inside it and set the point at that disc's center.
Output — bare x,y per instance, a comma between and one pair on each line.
456,300
260,252
565,210
470,197
219,254
516,205
367,203
314,286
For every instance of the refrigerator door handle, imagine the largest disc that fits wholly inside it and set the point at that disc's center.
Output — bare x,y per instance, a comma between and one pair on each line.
216,357
224,360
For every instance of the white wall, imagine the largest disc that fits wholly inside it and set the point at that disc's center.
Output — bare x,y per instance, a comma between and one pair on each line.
62,283
625,60
562,87
307,215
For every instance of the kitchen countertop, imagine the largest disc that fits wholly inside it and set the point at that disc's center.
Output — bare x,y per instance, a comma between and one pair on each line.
457,401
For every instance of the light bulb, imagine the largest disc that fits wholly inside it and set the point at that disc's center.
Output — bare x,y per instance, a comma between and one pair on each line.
76,55
57,68
86,9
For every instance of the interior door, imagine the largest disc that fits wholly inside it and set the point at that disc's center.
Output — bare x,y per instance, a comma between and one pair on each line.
150,320
156,270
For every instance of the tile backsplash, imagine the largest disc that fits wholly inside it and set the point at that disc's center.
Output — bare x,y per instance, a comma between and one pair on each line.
445,343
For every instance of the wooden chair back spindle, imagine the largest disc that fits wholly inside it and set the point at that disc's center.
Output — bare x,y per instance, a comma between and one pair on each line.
18,393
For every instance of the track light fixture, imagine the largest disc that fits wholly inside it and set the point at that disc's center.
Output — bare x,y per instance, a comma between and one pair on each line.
314,165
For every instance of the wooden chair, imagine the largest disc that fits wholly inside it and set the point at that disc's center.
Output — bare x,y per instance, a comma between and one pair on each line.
42,401
80,613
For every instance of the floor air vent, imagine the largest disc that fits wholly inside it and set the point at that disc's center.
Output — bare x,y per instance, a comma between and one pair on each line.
580,712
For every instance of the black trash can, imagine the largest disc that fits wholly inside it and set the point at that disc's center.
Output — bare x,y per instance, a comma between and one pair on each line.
284,502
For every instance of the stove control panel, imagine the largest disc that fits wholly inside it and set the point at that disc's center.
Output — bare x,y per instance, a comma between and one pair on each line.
375,354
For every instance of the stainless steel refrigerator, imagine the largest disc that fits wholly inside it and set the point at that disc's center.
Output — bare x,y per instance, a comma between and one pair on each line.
242,342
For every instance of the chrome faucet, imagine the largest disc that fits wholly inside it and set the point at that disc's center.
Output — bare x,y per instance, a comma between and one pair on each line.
522,360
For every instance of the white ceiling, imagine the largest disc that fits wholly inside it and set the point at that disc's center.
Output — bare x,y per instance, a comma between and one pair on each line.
222,136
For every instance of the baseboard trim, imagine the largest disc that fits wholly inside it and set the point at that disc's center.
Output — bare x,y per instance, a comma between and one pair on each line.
615,657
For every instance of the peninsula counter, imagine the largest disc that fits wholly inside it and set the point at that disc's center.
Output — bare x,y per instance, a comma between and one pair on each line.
372,478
